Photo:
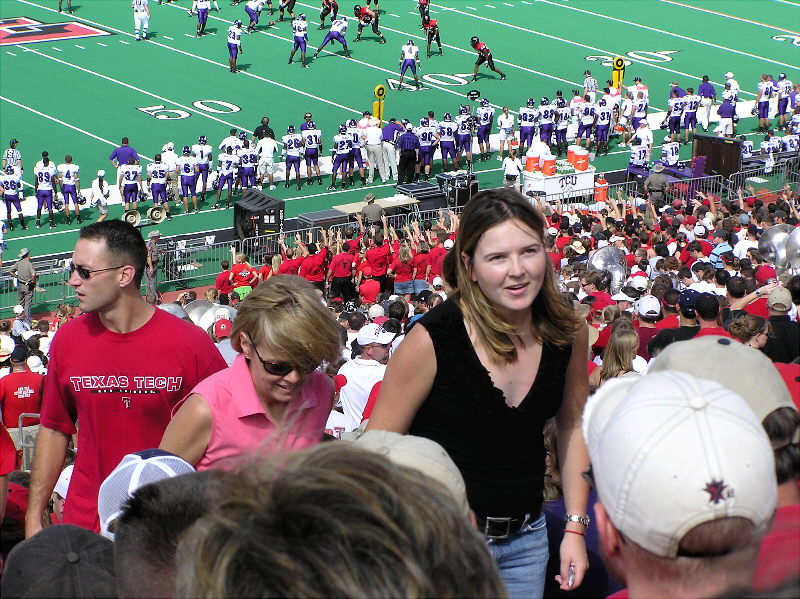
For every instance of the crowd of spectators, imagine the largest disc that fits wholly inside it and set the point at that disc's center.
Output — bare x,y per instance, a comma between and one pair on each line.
693,359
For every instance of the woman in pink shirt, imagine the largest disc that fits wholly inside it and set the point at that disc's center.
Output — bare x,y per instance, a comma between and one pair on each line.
273,397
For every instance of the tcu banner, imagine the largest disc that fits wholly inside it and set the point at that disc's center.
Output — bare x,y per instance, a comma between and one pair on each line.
22,30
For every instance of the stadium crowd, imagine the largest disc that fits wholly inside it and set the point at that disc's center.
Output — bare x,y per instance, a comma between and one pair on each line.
692,359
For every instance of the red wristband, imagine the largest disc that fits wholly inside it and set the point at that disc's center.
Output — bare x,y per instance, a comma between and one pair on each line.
575,532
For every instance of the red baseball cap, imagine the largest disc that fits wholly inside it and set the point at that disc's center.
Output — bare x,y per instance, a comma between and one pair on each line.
222,328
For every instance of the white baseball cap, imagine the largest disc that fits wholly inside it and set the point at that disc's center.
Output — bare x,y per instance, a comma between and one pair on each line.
62,484
729,75
648,305
670,451
376,310
742,369
422,454
373,333
437,282
101,173
448,244
134,471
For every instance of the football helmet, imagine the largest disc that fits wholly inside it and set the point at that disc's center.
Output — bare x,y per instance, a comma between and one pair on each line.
9,169
357,8
201,140
242,135
311,125
531,102
187,150
561,102
58,204
290,129
484,102
447,117
237,23
474,40
602,102
423,122
426,19
352,123
464,109
544,101
342,129
302,16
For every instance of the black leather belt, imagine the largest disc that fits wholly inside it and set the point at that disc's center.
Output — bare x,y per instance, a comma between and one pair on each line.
500,528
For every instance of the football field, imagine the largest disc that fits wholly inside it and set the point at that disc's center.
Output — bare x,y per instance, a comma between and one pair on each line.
77,83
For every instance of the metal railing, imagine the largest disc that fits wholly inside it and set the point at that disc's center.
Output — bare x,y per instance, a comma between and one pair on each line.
193,264
765,179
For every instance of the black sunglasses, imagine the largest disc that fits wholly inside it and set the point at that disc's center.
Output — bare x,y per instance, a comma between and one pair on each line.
279,368
85,273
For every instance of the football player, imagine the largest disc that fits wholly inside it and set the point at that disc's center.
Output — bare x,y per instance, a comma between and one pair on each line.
447,140
157,180
640,106
670,151
586,119
11,190
288,6
563,116
427,136
248,161
528,115
784,91
603,125
365,17
300,32
790,142
746,148
484,55
341,151
424,8
70,187
202,7
336,33
129,184
187,169
69,10
675,112
203,152
763,96
329,7
292,147
547,117
691,102
431,27
485,116
640,153
253,10
355,152
141,18
234,44
312,140
464,124
226,165
409,59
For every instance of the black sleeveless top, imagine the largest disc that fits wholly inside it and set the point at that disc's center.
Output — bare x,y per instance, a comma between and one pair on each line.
498,449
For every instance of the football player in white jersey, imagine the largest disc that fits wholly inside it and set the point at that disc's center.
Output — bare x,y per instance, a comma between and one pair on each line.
141,18
234,44
229,141
356,157
563,116
409,59
157,173
670,151
640,153
293,147
266,148
11,190
784,90
300,33
226,165
464,126
528,115
790,142
746,148
187,169
70,187
248,163
675,113
485,117
763,95
336,33
603,125
691,103
130,184
586,119
204,154
342,143
312,140
427,138
45,179
202,7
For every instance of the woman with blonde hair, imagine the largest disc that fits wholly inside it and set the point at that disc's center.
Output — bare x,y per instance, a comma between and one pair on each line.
482,372
750,329
273,397
402,269
619,353
242,276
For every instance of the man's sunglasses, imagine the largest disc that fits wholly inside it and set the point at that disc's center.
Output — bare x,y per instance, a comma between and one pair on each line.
85,273
279,368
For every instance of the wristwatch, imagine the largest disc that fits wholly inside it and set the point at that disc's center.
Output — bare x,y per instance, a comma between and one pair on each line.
585,520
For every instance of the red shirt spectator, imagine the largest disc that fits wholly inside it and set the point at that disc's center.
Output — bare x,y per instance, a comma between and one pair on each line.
21,392
264,273
669,322
378,258
369,290
341,265
222,283
402,270
420,263
313,268
719,331
242,274
435,258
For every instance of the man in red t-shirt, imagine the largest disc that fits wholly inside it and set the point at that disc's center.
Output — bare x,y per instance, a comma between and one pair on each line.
313,267
369,288
118,369
222,282
20,391
340,274
379,257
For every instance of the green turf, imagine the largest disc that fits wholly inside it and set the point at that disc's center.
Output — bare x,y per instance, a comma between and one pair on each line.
81,96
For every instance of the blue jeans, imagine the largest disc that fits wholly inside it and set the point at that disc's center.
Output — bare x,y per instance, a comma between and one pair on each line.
523,560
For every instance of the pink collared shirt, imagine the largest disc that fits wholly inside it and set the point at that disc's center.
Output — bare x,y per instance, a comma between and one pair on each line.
242,431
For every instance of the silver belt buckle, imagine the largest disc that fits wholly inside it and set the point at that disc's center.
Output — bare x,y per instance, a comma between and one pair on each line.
493,520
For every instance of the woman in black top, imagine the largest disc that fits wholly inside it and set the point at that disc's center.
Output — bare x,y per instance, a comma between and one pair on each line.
485,370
